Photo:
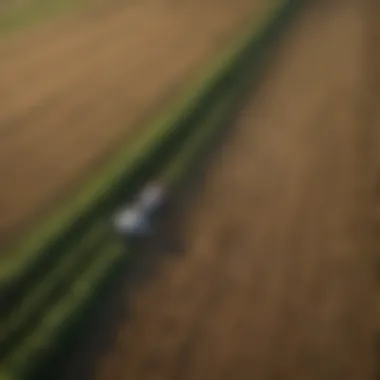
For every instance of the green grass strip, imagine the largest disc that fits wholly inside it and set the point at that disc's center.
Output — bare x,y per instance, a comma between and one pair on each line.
53,285
54,327
16,17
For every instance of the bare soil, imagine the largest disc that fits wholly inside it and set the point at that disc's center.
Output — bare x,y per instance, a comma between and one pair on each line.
70,92
275,280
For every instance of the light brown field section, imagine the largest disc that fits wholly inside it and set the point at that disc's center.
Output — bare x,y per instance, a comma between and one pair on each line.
70,92
273,284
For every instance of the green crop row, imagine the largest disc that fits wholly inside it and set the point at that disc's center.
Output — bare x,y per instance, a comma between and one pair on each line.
52,330
25,314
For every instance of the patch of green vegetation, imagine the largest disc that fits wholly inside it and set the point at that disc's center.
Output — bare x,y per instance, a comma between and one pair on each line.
15,17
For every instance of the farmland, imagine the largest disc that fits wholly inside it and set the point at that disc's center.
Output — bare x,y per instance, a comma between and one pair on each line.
266,268
275,277
72,90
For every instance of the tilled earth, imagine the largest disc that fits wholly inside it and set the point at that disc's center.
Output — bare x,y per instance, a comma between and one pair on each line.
71,91
275,280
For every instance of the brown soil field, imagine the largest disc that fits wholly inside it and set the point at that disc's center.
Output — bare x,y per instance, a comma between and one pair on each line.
71,91
276,279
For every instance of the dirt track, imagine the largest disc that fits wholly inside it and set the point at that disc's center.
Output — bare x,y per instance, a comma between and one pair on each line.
275,282
70,92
